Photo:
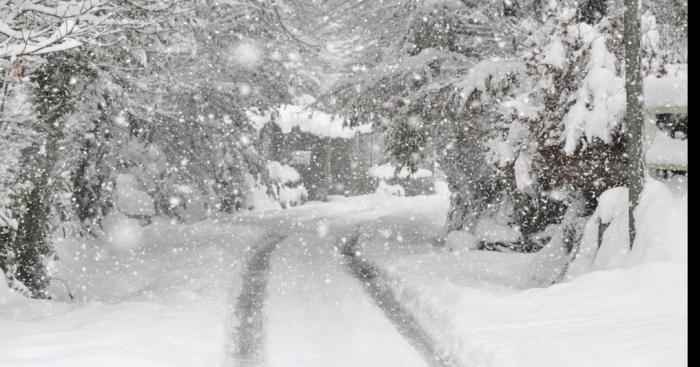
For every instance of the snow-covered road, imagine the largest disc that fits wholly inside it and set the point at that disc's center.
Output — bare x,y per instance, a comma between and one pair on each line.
318,314
318,311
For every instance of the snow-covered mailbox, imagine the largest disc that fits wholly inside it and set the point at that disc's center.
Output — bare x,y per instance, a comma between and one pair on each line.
666,121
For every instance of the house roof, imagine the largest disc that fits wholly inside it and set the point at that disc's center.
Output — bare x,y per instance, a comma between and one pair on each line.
668,93
309,120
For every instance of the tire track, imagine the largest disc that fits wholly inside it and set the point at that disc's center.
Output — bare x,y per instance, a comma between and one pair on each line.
249,335
374,283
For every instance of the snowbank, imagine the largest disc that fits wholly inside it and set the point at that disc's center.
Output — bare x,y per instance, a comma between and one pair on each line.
662,229
662,233
461,240
618,318
610,224
498,309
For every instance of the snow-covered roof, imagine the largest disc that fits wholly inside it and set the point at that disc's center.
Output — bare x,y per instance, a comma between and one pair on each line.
668,153
310,121
668,92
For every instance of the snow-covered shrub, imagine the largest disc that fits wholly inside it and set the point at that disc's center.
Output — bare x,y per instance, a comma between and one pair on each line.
554,133
418,182
122,232
287,187
391,190
563,127
130,199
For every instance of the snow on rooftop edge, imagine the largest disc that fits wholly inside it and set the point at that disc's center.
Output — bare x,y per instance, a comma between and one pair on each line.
669,91
308,120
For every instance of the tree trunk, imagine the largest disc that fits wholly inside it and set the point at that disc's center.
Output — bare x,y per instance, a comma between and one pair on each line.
635,106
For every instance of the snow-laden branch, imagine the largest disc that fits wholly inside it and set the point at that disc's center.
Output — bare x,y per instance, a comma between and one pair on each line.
30,28
37,27
59,40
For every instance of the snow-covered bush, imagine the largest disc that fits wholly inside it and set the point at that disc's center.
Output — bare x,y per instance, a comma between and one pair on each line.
287,187
563,127
390,189
418,182
130,199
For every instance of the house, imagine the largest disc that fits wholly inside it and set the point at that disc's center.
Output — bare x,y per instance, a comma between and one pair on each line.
334,159
666,122
331,158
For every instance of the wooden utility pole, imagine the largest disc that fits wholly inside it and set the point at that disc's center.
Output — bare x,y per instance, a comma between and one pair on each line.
635,107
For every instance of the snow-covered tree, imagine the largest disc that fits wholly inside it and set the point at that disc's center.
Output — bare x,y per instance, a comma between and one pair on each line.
532,134
154,90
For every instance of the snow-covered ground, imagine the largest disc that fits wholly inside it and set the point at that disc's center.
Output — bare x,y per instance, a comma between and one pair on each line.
153,296
163,295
